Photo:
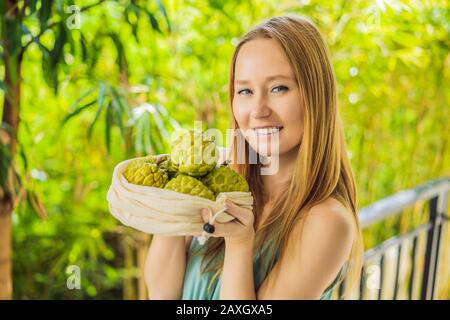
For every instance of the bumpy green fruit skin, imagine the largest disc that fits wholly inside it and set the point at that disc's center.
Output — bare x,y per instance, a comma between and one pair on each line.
225,179
189,185
146,174
171,169
141,161
194,153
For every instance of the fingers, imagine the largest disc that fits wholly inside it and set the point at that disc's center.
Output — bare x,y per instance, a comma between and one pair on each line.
243,224
245,216
221,229
227,229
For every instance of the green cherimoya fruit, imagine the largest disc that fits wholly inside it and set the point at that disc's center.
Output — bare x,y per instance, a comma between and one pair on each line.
225,179
171,168
146,174
189,185
140,161
194,153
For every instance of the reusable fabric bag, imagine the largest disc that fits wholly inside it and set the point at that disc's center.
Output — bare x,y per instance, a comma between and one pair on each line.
166,212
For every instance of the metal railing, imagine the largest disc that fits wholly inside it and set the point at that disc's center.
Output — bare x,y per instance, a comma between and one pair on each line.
435,194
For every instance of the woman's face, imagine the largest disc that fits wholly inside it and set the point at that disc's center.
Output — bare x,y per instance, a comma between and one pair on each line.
266,98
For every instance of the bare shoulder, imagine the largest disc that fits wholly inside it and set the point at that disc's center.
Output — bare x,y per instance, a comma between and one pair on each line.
328,219
333,212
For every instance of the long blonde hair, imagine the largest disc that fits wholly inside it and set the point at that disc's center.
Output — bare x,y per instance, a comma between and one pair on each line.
322,168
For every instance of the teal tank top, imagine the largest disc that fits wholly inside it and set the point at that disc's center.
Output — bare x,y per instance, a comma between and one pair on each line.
195,285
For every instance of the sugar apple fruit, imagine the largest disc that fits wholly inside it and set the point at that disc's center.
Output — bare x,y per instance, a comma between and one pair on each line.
225,179
140,161
170,167
189,185
146,174
194,153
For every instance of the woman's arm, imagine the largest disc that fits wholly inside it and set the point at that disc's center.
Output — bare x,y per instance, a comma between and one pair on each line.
239,234
165,266
237,276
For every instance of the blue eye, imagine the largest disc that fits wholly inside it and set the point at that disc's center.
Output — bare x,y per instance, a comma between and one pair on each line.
282,88
243,90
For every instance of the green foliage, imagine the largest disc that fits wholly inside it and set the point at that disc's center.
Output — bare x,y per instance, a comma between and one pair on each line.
136,70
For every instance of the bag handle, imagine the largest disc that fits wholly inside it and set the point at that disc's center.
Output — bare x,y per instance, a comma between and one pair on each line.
212,218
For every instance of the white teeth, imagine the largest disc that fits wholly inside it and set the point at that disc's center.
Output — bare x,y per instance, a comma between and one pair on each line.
267,131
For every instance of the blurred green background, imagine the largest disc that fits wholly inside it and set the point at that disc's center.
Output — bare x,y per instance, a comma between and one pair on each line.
102,81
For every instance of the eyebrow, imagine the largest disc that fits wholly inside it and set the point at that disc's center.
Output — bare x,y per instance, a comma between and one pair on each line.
277,76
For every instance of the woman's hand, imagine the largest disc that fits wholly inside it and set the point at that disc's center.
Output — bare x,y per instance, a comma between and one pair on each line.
237,231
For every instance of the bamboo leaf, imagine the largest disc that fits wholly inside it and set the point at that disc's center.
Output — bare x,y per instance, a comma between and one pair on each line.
154,23
119,110
117,115
175,125
156,137
57,55
159,122
121,103
101,95
108,125
36,204
44,13
97,116
72,44
163,10
132,9
76,112
101,104
84,50
80,98
121,58
94,54
23,155
47,69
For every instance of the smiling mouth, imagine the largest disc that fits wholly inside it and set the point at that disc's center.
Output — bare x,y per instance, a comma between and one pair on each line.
267,130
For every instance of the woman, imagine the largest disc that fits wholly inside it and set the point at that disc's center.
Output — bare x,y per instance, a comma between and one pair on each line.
303,233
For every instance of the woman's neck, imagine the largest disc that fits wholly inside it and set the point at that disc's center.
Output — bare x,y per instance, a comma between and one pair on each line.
273,184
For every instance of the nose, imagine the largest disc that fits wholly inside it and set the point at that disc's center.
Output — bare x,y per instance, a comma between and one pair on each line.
261,108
